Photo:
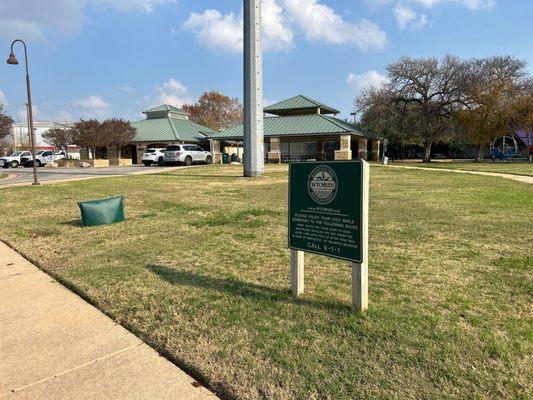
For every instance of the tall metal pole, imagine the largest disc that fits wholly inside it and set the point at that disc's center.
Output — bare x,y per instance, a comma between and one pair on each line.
253,90
12,60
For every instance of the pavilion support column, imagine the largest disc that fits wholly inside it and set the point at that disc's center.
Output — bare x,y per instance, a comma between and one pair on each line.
375,149
320,151
274,155
345,153
362,144
139,148
217,155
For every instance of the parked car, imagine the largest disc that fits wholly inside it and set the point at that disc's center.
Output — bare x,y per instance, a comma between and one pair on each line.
15,159
187,154
42,157
153,156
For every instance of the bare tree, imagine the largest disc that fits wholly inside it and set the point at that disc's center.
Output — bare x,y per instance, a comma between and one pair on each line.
490,89
119,132
215,110
59,138
6,123
431,89
522,113
89,134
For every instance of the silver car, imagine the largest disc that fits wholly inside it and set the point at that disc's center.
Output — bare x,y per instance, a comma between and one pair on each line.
187,154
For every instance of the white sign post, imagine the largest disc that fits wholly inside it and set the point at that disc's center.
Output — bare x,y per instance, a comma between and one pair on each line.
316,222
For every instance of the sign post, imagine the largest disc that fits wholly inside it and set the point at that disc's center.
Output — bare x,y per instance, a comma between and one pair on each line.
328,215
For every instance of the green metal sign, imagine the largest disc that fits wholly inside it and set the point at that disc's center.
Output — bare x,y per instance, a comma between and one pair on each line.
326,208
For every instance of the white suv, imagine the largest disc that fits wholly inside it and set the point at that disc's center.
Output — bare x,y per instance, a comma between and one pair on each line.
153,156
187,154
14,160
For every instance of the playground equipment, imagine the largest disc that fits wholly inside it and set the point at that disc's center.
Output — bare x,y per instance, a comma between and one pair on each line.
504,147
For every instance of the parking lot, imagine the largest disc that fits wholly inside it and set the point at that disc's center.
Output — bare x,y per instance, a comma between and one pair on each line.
22,176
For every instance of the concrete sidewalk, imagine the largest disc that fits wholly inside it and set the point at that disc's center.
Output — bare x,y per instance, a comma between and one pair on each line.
54,345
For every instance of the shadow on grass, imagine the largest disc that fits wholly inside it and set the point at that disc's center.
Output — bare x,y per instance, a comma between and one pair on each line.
72,222
240,288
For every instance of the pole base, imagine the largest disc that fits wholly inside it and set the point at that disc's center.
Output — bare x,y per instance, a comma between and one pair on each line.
253,174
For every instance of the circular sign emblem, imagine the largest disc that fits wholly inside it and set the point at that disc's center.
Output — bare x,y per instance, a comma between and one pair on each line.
322,184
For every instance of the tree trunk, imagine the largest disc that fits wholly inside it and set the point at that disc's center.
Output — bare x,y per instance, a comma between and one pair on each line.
479,156
427,152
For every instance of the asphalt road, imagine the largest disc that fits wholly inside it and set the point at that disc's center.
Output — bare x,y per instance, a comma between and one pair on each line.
21,176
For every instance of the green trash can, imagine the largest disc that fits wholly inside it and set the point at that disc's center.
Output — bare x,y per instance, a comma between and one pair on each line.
225,158
104,211
234,157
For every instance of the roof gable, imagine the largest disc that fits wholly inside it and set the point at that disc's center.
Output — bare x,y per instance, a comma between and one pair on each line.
165,107
169,129
299,104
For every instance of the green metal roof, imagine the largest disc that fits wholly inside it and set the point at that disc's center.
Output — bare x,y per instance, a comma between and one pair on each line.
165,107
298,125
299,102
170,129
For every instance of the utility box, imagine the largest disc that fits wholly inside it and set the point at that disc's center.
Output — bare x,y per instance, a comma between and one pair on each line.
101,212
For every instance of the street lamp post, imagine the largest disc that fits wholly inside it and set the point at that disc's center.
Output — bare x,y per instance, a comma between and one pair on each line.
12,60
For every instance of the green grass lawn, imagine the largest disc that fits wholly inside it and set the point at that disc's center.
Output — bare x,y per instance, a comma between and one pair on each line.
200,271
507,168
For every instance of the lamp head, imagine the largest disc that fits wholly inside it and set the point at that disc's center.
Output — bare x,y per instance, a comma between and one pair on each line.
12,60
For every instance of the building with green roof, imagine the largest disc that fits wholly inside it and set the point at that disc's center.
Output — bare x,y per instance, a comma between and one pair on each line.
165,125
301,128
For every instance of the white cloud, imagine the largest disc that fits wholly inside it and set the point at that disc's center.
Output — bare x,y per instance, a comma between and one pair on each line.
126,89
135,5
63,116
319,22
216,31
407,17
171,92
37,19
365,80
476,5
92,107
224,32
22,114
3,99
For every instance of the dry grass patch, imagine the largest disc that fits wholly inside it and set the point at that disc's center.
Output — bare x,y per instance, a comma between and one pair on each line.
521,168
200,270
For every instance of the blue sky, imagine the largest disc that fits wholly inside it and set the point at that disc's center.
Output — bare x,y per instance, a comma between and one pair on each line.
105,58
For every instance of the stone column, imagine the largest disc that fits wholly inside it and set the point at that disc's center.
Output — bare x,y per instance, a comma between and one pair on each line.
217,155
362,144
345,153
139,148
274,155
375,149
112,156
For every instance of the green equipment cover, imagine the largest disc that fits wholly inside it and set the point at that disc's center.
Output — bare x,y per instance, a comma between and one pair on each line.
104,211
